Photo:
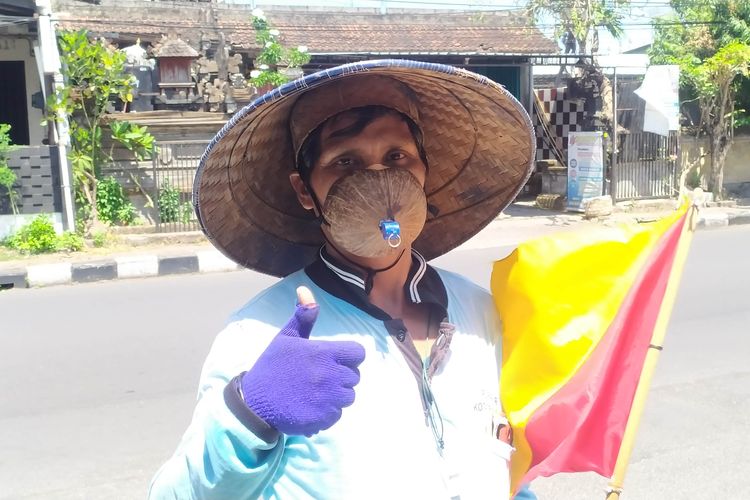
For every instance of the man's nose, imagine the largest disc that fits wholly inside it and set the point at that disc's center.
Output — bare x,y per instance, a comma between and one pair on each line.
377,166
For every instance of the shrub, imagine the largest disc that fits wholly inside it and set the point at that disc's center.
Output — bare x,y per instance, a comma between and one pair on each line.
102,239
70,241
169,203
186,212
36,237
112,206
127,214
39,236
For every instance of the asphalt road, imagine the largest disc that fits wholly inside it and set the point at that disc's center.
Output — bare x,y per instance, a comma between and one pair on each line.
89,408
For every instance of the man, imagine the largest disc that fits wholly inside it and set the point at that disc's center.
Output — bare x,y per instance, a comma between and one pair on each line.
385,381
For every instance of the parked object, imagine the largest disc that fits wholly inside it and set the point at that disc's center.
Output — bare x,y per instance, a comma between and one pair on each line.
600,206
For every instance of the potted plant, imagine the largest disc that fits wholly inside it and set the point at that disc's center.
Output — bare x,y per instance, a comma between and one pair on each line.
276,64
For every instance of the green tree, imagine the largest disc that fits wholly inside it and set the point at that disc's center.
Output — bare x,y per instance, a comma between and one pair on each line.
135,138
95,78
710,41
577,20
577,24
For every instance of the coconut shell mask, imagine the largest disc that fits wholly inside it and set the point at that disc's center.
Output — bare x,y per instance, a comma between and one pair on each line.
360,210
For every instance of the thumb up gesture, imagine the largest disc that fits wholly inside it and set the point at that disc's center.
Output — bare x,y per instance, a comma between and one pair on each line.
300,386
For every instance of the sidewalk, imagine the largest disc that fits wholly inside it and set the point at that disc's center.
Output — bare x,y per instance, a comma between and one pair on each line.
145,255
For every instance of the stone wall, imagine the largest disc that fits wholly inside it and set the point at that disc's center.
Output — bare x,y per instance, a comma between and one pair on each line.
181,138
736,169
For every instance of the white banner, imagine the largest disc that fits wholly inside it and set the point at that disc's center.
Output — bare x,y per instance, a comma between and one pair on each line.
660,89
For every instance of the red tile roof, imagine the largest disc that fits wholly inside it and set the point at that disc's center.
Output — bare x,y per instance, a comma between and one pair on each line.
344,31
175,47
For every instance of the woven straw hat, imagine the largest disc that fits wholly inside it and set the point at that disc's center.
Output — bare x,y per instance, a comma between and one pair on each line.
477,137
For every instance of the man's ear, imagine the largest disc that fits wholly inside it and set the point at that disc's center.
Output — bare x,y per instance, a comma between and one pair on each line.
303,195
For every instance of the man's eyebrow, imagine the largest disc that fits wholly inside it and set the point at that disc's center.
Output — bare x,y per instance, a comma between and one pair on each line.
335,152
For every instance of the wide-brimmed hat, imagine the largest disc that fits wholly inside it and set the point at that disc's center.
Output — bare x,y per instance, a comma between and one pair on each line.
477,137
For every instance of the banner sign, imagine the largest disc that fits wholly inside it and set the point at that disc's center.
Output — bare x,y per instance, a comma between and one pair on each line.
585,168
660,90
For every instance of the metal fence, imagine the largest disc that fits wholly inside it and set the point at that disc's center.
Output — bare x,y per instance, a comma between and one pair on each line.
175,163
647,166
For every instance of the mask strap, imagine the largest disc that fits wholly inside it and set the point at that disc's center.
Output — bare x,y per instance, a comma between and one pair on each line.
317,204
369,272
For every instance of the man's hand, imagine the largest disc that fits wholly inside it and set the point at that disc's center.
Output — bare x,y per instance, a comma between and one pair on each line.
300,386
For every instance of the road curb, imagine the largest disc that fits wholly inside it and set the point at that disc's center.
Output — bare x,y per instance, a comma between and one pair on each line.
708,220
183,264
93,271
738,219
212,261
124,267
49,274
207,261
137,266
13,278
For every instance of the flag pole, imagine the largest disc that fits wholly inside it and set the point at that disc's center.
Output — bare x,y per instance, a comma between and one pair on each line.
614,489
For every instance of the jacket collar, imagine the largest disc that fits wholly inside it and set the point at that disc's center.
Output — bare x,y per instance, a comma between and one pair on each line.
423,284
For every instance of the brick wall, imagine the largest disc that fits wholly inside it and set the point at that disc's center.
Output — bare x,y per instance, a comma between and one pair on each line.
38,180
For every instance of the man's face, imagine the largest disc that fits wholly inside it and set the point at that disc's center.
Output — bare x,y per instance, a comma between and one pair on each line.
386,142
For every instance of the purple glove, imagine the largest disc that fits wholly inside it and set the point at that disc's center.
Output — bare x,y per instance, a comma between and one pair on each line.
299,386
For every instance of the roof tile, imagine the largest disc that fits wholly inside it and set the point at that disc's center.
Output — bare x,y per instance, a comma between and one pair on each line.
343,31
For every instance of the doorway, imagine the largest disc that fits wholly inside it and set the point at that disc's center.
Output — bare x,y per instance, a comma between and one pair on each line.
13,101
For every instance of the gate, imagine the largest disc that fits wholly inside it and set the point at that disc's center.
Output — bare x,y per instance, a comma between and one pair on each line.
174,166
647,166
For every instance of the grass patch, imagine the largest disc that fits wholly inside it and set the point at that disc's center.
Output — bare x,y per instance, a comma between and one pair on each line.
7,254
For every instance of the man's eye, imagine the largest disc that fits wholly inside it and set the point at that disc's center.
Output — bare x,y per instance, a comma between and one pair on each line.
343,162
396,155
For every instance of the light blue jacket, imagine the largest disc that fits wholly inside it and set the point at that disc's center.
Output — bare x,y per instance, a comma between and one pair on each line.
383,447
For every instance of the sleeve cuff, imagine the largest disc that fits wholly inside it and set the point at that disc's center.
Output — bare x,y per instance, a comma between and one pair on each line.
248,418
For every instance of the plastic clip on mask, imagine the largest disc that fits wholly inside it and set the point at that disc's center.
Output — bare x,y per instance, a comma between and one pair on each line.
371,213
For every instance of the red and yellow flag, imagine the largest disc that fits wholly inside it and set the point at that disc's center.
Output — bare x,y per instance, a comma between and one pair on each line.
579,312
